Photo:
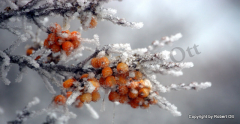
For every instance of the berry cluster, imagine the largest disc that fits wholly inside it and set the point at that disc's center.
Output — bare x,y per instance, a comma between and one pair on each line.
126,89
87,94
61,41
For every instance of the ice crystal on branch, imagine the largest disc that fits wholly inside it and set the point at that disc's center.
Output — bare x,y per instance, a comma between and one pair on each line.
128,76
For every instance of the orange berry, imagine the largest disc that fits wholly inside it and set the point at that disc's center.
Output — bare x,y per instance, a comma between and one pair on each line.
145,83
145,105
51,38
59,40
110,81
113,96
123,99
59,100
68,83
102,81
67,46
122,68
143,92
138,75
86,98
94,62
55,48
46,43
153,101
133,85
121,80
29,51
133,93
103,62
123,89
84,76
75,43
75,35
56,28
107,71
68,33
69,93
133,104
79,104
93,23
95,83
138,100
95,96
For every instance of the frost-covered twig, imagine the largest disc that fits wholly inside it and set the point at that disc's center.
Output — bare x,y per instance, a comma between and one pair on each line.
165,40
25,113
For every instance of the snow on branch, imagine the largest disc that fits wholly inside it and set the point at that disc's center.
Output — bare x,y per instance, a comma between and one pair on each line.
191,86
164,41
123,22
57,59
25,113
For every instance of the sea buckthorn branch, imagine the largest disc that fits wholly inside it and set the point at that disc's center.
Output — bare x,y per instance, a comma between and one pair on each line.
66,10
52,118
25,113
164,41
127,75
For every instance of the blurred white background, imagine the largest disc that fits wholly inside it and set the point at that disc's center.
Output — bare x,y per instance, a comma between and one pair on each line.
213,25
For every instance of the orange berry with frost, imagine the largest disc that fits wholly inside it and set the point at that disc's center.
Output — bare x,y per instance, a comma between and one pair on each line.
86,98
110,81
143,92
133,104
67,35
67,46
56,28
107,71
133,84
123,99
95,83
103,62
59,40
94,62
138,100
55,48
122,89
79,104
59,100
75,35
46,43
95,96
68,83
51,38
122,68
133,93
113,96
75,43
145,105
